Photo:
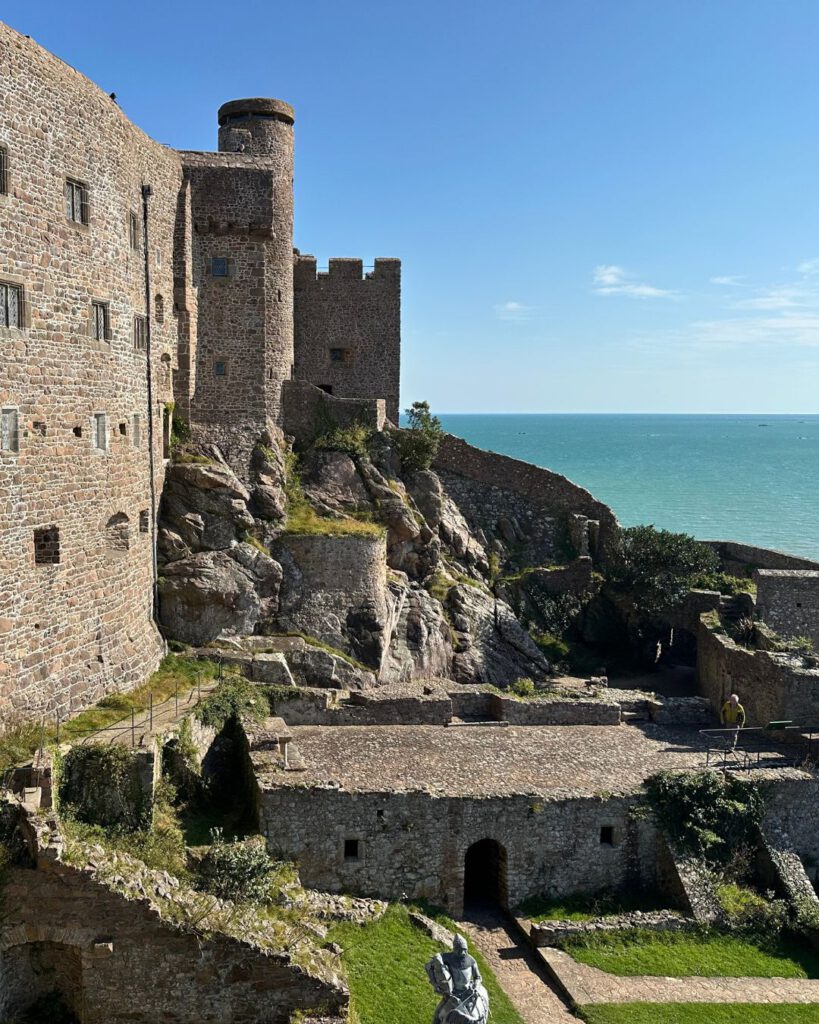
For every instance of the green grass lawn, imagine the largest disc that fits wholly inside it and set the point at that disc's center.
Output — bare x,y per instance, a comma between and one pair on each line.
680,954
699,1013
385,966
583,907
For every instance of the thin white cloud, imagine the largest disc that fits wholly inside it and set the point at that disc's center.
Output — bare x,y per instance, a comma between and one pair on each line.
513,311
728,280
809,268
778,298
789,330
609,279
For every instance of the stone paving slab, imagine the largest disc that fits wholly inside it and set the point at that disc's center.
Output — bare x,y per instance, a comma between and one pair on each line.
584,985
551,761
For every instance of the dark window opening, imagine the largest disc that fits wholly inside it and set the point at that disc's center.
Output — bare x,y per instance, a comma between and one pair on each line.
328,388
76,201
47,546
351,849
4,171
11,305
220,368
607,835
77,431
159,309
144,521
100,325
279,294
798,604
123,429
337,355
140,334
219,266
166,432
39,428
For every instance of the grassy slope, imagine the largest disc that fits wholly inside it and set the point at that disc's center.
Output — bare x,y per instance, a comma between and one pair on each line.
675,954
697,1013
385,965
586,908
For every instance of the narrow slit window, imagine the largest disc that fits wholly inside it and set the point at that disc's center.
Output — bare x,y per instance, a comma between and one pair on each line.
101,431
159,309
133,230
9,433
140,334
76,201
101,324
4,171
144,521
11,305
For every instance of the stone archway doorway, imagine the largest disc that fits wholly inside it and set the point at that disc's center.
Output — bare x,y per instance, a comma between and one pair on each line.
485,875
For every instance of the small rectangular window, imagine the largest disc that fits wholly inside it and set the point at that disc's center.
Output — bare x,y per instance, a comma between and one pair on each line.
101,431
352,850
11,305
100,321
9,434
220,368
607,835
4,171
47,546
136,430
337,355
144,521
140,334
219,266
133,230
76,201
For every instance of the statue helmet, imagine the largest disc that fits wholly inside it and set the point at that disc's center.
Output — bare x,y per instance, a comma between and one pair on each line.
459,944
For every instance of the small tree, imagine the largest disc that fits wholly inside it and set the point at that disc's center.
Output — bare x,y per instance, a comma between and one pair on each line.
418,444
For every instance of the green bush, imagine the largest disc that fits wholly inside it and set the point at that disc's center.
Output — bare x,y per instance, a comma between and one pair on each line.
553,647
747,911
99,783
418,445
523,688
724,583
657,568
235,698
705,813
238,870
353,440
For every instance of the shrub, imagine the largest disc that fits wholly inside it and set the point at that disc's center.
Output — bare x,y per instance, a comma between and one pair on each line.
657,568
523,688
233,699
705,814
418,445
239,870
353,440
744,631
553,647
802,645
724,583
99,783
749,912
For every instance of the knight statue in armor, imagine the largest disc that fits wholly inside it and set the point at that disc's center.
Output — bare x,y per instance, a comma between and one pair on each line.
457,980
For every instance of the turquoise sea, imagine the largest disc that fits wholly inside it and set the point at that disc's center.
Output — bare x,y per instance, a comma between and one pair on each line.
748,478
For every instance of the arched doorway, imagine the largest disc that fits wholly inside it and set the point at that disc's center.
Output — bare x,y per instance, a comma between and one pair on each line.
485,874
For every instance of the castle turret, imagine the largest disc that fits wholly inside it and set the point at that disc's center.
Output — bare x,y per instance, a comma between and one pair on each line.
259,127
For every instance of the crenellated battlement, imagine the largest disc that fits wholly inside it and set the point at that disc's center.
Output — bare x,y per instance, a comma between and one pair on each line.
306,270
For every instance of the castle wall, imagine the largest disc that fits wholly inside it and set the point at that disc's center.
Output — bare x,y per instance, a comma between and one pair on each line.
414,844
348,328
743,559
788,601
522,504
771,687
307,411
74,629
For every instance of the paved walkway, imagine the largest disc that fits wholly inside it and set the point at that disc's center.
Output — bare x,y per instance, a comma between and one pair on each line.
586,985
517,969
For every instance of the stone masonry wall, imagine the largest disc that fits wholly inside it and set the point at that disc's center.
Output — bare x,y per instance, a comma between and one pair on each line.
519,502
772,687
307,411
348,328
741,559
73,630
788,601
414,844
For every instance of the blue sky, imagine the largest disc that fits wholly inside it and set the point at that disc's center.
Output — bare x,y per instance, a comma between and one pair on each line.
601,205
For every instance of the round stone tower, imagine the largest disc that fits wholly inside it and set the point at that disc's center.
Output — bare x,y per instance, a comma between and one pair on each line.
262,128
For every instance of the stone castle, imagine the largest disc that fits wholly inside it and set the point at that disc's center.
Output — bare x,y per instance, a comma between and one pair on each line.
136,280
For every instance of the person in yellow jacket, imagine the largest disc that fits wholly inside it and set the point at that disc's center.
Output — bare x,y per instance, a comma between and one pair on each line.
733,713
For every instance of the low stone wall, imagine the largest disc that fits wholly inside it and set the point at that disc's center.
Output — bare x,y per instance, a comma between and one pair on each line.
788,601
553,933
771,686
119,943
685,880
308,411
555,711
781,869
742,559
